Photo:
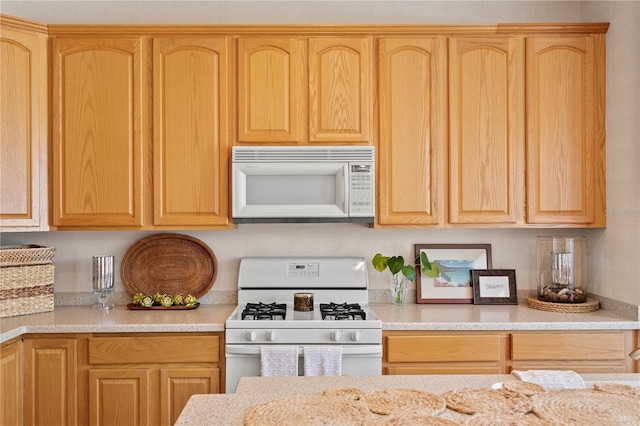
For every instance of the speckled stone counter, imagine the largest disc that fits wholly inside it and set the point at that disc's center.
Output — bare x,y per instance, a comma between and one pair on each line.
84,319
494,317
203,410
211,317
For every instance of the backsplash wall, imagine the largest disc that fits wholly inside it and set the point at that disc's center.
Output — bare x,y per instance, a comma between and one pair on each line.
511,248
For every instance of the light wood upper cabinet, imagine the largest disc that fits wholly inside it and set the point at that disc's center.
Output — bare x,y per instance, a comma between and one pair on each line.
99,153
271,89
412,102
340,90
190,148
486,122
23,126
566,130
304,90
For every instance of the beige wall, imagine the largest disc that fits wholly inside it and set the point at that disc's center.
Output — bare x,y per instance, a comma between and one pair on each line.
614,252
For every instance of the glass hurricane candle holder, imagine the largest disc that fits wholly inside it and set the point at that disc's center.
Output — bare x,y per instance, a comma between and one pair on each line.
562,269
102,267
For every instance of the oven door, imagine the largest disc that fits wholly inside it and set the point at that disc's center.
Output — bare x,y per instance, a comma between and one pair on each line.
244,360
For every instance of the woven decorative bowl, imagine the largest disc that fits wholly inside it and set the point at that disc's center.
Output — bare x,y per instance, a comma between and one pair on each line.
169,264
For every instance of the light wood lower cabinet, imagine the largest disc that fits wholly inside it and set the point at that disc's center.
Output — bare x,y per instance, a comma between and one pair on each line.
147,379
11,384
442,353
50,381
583,352
500,352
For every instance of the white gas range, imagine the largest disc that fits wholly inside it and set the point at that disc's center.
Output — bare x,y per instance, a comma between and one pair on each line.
338,314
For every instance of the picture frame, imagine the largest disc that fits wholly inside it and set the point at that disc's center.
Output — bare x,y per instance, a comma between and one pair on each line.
494,286
454,263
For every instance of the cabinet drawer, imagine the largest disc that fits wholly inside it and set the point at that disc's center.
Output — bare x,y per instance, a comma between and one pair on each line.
443,348
161,349
579,347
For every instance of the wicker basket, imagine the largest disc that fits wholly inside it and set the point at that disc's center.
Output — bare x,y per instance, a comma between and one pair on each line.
26,280
26,255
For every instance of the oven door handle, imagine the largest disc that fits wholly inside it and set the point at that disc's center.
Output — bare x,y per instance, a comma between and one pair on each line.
346,350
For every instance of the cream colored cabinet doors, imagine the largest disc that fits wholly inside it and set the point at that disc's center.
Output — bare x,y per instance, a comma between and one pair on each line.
190,105
23,120
486,128
50,381
566,130
412,102
99,134
304,90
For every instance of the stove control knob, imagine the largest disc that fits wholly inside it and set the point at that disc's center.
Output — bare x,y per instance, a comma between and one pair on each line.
271,336
336,335
356,335
251,336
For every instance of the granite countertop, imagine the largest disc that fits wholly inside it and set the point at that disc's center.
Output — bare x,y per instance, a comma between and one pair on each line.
494,317
211,317
230,409
85,319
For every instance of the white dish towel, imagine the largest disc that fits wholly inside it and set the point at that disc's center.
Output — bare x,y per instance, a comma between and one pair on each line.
551,379
278,361
322,361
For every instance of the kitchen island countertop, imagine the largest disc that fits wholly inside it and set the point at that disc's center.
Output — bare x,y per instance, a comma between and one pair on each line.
203,410
211,318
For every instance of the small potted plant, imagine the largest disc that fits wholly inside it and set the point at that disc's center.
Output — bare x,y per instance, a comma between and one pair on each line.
401,273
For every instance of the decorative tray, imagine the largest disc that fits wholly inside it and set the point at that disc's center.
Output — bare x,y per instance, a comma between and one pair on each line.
169,264
161,308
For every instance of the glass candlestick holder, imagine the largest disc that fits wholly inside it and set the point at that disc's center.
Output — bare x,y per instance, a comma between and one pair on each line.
103,281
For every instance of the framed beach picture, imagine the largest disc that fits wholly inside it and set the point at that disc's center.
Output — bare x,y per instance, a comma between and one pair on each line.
448,278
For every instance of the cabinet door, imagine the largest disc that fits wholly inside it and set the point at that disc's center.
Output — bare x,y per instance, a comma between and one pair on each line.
99,102
190,174
23,120
271,89
565,130
178,384
486,145
412,101
50,382
339,89
121,397
11,384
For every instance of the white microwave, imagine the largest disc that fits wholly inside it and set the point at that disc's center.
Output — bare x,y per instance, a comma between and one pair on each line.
303,184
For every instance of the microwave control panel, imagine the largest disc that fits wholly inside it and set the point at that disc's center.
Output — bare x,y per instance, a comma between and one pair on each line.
361,202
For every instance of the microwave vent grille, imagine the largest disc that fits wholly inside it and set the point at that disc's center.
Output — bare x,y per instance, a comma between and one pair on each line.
297,154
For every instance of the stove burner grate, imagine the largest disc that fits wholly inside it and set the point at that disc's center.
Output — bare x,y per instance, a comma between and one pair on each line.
264,311
342,311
